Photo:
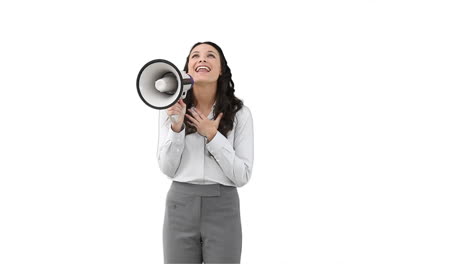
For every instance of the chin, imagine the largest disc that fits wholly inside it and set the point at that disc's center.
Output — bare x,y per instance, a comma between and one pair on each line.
204,80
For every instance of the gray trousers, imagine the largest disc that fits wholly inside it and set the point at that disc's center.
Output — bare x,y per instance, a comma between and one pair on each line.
202,224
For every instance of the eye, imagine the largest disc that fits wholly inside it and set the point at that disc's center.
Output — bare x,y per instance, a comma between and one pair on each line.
194,56
211,55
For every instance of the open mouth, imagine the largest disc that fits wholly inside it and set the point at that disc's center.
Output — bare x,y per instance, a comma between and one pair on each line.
202,69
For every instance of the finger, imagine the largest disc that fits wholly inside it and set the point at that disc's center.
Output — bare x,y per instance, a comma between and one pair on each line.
171,112
195,114
202,116
193,120
182,103
192,124
174,112
175,107
219,117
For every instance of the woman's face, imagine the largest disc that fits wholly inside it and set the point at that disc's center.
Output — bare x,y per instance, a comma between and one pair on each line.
204,64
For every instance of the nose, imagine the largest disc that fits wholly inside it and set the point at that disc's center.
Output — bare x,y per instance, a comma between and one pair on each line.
202,59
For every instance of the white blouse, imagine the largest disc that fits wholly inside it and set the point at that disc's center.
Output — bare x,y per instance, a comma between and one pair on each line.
189,158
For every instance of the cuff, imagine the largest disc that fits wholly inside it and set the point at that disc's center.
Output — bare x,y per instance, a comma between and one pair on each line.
217,143
175,137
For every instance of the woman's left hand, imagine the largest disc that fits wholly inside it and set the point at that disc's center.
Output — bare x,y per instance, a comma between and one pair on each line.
205,127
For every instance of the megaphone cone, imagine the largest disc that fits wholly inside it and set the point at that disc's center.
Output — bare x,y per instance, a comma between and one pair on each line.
160,84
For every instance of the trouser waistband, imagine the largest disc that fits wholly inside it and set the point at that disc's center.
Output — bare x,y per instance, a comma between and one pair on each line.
201,190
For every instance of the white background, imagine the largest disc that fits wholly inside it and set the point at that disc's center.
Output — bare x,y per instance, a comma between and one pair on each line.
360,117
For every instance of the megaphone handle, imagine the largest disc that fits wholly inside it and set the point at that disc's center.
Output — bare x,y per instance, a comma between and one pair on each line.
174,118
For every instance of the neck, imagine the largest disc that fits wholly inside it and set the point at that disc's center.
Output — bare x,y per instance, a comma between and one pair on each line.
205,95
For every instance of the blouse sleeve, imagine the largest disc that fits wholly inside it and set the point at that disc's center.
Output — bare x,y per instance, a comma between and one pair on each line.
236,160
170,146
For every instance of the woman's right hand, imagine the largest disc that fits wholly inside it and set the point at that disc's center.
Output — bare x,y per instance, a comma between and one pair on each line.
178,109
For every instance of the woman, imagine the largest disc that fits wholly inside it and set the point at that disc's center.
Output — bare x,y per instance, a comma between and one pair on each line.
208,153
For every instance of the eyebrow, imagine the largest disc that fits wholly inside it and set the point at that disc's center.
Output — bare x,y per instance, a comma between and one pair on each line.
208,51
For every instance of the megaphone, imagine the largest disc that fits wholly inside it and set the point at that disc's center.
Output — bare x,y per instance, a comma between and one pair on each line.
160,84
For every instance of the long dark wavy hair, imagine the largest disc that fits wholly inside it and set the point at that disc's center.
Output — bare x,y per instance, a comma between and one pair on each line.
226,102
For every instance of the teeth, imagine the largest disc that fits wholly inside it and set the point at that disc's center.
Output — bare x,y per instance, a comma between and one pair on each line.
203,67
